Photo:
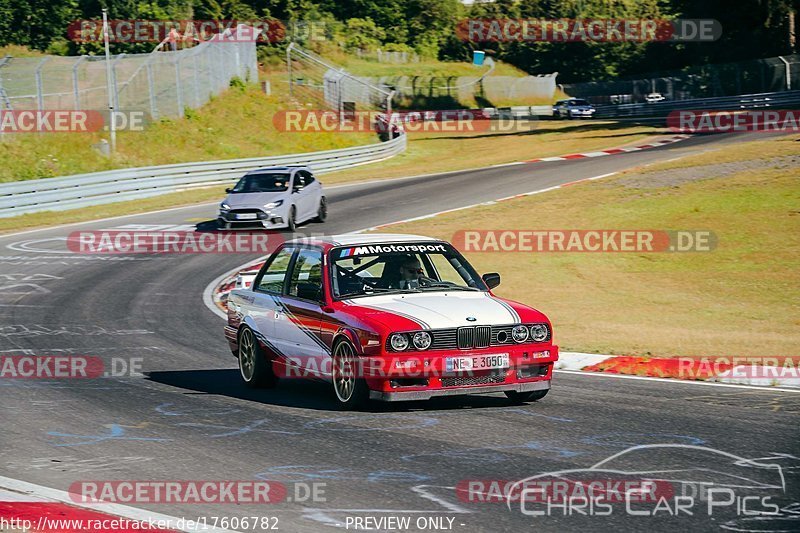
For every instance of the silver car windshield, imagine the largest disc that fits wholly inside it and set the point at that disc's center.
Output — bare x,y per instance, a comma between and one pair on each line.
266,182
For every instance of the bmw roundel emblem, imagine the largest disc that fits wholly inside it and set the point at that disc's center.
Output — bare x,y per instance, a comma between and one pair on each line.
471,319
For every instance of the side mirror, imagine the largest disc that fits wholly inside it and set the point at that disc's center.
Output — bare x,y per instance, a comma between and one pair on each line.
309,291
491,279
296,190
228,190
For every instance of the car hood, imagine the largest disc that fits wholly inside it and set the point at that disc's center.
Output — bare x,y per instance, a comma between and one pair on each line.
439,310
252,199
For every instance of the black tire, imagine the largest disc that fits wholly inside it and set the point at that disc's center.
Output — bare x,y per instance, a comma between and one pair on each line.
350,390
255,369
291,222
322,210
523,397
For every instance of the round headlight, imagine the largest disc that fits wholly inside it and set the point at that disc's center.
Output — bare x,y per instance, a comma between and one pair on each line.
422,340
398,341
539,332
519,333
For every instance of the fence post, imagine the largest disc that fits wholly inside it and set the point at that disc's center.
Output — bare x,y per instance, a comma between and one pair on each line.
39,85
75,84
114,82
788,73
3,94
151,90
289,67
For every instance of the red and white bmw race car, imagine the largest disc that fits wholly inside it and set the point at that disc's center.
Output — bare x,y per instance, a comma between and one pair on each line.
387,317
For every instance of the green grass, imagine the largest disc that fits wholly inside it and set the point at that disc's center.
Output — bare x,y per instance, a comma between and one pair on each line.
427,153
234,125
739,300
422,68
18,51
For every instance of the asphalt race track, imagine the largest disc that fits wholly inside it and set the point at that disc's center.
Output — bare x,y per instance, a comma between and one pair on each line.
190,418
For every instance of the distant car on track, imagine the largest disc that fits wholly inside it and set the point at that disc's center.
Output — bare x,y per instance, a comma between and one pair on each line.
573,108
273,198
654,98
387,317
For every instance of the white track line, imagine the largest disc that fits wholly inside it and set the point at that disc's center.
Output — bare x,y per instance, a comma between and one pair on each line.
192,206
677,381
208,292
29,489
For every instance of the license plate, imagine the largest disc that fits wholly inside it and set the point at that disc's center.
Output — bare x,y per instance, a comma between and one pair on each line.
476,362
246,216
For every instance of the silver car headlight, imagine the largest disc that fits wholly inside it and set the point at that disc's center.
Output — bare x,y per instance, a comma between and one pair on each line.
519,333
422,340
398,342
273,205
539,332
224,206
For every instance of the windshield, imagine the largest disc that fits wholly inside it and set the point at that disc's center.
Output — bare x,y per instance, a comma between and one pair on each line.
580,102
267,182
401,268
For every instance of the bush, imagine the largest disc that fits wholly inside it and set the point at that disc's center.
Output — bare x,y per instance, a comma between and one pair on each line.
238,83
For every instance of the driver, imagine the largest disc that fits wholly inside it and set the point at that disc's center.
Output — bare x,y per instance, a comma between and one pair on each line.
410,272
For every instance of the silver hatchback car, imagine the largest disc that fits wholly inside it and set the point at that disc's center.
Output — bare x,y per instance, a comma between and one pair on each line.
273,198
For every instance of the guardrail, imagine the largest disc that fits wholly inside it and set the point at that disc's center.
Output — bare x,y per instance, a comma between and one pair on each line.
520,111
779,100
82,190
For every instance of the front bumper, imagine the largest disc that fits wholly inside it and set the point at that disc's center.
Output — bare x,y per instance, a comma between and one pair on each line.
263,219
398,396
423,375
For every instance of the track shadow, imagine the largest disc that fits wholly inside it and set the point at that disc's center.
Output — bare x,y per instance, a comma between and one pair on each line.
306,394
214,226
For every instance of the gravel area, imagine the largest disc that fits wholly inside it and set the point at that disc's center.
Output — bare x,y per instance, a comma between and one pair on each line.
679,176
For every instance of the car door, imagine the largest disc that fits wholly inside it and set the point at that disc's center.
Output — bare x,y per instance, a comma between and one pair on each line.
298,327
304,195
314,188
265,310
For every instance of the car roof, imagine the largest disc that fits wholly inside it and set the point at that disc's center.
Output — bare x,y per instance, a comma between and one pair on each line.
352,239
279,170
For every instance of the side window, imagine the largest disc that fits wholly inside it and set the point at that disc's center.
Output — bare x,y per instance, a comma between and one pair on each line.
306,280
271,279
309,178
299,180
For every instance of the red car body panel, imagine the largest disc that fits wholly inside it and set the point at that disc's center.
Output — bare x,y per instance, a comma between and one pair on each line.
390,375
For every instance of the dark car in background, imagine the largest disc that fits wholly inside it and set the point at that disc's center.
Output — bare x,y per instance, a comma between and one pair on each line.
573,108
